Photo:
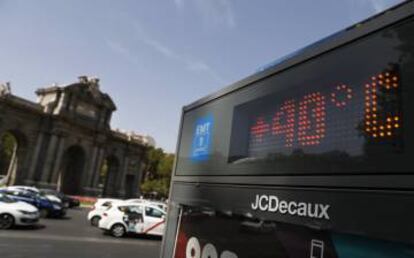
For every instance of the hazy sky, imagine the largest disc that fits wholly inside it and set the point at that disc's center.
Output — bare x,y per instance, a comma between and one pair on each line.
154,56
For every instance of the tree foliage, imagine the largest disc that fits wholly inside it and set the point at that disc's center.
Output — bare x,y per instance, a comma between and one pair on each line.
157,173
103,173
8,144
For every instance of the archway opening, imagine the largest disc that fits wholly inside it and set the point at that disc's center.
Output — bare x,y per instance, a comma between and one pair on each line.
130,186
108,175
12,145
72,170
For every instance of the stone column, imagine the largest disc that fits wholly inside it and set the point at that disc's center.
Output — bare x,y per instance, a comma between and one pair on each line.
91,167
53,178
50,158
35,159
97,168
120,185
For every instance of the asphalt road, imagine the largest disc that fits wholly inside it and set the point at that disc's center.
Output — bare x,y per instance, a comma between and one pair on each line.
73,237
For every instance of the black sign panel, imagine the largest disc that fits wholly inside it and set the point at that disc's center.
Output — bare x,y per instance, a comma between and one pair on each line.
347,111
311,158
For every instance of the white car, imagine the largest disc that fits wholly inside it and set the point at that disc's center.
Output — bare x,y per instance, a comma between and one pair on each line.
101,205
137,218
16,213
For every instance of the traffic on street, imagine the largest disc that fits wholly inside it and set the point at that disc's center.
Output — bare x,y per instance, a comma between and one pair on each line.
73,236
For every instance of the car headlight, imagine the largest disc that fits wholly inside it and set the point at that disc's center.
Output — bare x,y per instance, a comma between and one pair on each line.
26,212
57,207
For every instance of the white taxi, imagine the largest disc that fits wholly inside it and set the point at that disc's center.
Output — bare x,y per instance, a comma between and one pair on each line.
137,218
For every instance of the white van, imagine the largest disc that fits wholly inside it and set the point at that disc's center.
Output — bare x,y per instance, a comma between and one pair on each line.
137,218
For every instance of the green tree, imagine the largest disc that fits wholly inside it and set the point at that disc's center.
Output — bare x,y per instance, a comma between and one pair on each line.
165,165
157,173
103,173
7,146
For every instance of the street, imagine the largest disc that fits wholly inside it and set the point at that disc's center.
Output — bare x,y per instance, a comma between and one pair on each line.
73,237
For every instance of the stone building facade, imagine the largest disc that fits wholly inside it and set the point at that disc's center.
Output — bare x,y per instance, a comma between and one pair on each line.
64,141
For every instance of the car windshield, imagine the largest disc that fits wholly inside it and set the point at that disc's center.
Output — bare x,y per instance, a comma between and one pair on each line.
27,194
6,199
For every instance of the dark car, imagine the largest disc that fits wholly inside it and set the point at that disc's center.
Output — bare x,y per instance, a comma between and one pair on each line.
46,207
67,201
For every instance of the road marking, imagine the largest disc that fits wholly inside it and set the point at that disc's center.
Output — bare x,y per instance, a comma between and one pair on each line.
78,239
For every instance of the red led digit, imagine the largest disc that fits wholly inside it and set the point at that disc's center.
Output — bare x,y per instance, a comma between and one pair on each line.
311,129
341,95
259,129
284,122
381,122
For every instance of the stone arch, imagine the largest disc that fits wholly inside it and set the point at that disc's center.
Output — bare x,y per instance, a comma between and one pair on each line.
108,175
72,169
13,153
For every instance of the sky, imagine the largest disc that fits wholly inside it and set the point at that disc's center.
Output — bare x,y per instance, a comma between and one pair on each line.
153,57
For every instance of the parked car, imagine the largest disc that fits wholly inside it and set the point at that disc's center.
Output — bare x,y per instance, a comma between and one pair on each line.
51,197
100,206
138,218
67,201
47,208
16,213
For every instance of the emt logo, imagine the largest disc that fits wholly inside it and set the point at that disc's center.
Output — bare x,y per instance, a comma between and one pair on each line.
202,138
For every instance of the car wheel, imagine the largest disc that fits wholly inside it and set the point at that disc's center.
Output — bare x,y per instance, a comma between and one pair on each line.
44,213
6,221
118,230
95,221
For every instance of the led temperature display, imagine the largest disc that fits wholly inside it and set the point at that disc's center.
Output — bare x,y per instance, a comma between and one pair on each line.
339,118
345,111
